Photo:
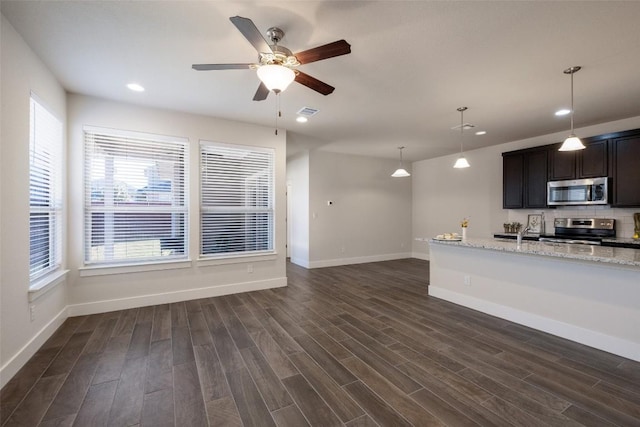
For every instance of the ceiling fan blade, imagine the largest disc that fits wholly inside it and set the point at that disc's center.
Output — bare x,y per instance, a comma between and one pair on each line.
261,93
209,67
319,53
313,83
251,33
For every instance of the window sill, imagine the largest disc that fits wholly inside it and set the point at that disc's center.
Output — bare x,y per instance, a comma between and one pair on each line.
236,259
103,270
45,284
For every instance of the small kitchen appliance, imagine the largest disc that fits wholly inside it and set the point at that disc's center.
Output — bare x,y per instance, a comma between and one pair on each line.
591,191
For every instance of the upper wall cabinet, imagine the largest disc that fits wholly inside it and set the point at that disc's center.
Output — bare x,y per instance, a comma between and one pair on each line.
616,155
525,179
592,162
625,164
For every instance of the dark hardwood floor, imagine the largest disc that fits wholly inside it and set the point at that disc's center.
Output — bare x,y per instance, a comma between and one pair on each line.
355,345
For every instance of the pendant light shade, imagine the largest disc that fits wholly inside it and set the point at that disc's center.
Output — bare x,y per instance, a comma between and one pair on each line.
462,161
401,171
276,77
572,143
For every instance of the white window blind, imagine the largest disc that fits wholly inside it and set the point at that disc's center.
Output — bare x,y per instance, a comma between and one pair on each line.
135,197
45,191
237,199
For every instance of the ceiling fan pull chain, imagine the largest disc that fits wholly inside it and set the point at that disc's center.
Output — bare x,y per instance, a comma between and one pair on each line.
277,110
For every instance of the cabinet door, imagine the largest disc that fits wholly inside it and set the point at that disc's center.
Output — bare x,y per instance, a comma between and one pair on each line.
626,172
535,181
592,161
562,164
512,180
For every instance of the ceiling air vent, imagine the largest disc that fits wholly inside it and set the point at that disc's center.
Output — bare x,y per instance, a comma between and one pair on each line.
465,126
307,111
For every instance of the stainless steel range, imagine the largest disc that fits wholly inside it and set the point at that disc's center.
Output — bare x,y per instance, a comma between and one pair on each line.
586,231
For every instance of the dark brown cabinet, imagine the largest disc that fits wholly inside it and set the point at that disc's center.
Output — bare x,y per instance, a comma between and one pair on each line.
524,179
562,164
615,155
592,162
625,154
512,180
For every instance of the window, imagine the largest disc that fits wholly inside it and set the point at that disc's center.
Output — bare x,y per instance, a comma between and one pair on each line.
45,191
135,197
237,187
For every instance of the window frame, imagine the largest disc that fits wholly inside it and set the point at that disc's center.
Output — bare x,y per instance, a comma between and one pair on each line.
217,258
112,264
47,152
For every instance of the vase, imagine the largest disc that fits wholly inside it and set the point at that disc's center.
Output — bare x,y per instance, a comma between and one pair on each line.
464,233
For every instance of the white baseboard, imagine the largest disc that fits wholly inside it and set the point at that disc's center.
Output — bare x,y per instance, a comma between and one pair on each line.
301,262
420,255
170,297
611,344
358,260
9,369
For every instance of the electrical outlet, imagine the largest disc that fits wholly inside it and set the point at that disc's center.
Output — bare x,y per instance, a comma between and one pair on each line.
249,268
32,312
467,280
343,249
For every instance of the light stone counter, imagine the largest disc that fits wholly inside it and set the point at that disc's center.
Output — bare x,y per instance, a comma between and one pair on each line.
593,253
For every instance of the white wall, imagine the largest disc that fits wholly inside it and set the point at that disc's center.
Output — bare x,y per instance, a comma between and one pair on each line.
97,293
298,182
22,72
442,196
370,218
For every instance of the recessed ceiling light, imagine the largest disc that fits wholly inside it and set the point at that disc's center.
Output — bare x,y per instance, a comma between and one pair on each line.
481,132
302,119
135,87
562,112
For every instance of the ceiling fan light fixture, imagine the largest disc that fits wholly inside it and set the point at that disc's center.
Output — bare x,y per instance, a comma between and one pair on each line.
572,143
401,171
276,77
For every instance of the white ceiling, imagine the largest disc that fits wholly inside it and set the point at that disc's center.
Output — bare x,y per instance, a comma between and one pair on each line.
412,64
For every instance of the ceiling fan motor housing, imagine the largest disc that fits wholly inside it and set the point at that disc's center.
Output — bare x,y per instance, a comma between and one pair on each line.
280,56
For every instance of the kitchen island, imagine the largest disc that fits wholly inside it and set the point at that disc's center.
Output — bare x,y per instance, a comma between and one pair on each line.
588,294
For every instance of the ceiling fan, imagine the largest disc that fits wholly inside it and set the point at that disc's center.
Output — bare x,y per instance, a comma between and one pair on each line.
279,58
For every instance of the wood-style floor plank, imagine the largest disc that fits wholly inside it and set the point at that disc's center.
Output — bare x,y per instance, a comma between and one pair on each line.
355,346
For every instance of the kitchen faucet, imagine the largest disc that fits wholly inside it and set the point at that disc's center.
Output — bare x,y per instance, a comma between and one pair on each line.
522,233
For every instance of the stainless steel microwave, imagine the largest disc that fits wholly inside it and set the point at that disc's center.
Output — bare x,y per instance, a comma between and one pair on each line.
591,191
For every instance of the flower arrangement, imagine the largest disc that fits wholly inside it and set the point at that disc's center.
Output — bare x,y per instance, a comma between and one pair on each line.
465,222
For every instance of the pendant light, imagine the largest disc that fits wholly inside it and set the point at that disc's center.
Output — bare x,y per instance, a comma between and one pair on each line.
572,143
462,161
401,171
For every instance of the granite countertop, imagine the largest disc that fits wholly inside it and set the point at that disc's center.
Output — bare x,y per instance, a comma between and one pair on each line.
600,254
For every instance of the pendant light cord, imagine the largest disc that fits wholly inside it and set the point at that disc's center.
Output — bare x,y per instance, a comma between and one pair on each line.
461,129
462,110
572,101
